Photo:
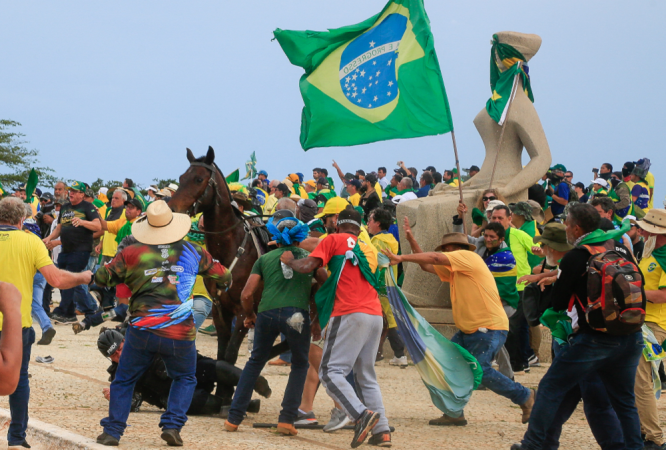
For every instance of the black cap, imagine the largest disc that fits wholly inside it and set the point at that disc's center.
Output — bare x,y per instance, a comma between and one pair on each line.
349,176
430,169
401,171
356,183
323,181
134,202
47,196
109,342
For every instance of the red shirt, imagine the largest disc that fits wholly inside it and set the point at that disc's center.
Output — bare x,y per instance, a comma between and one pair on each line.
354,294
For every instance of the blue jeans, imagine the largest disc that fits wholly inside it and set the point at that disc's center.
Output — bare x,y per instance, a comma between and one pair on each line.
286,356
18,401
38,313
599,412
77,297
139,351
201,307
97,319
268,326
484,347
614,359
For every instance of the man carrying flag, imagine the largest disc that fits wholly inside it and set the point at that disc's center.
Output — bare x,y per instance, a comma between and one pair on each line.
373,81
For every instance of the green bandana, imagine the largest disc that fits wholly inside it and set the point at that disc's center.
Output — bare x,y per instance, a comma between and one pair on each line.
478,217
660,255
124,231
601,235
195,234
325,296
501,83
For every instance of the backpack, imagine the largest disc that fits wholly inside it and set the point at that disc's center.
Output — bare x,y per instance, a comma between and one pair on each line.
615,295
536,302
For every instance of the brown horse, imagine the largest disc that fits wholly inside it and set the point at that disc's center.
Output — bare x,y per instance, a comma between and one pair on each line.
204,189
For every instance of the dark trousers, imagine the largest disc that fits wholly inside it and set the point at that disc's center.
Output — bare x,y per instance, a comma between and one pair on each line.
18,401
76,297
267,328
139,350
614,359
46,299
599,412
395,340
518,341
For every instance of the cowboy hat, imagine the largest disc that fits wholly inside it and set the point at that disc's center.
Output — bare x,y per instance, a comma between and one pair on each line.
163,193
241,199
455,238
172,187
654,221
160,225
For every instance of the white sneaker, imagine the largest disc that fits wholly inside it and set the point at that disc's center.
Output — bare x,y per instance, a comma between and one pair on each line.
402,361
338,420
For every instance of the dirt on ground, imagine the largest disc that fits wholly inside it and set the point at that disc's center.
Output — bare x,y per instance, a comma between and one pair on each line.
68,393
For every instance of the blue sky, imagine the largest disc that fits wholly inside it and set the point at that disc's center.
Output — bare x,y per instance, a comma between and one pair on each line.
120,89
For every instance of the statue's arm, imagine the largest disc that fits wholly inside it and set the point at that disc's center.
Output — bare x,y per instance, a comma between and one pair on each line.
534,140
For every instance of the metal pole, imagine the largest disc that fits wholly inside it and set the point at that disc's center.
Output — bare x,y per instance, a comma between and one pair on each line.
455,152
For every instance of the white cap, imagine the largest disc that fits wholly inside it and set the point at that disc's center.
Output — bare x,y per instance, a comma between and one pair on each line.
601,182
103,190
493,203
154,189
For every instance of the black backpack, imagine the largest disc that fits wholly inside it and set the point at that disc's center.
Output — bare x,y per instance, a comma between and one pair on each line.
536,302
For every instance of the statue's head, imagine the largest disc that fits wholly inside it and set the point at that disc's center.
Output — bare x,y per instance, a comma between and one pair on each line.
527,44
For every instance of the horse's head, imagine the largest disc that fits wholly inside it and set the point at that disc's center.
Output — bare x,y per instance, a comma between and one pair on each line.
193,189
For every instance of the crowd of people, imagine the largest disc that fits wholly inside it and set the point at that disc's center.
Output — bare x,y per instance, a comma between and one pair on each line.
584,259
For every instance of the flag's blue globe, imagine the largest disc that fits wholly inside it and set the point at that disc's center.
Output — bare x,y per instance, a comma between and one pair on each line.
367,66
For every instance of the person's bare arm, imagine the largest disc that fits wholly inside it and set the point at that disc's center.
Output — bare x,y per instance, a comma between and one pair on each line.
92,225
63,279
54,235
340,174
656,296
304,265
247,299
11,340
310,243
416,248
98,234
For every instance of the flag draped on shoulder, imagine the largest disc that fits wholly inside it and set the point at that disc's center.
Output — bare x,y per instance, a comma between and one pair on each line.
449,371
377,80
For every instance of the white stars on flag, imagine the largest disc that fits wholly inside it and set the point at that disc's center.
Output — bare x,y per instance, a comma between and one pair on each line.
388,93
390,83
363,91
354,95
372,44
354,77
378,72
370,78
347,79
374,63
362,72
375,99
389,63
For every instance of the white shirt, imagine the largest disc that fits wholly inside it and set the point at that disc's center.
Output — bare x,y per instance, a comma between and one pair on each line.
55,252
404,197
383,182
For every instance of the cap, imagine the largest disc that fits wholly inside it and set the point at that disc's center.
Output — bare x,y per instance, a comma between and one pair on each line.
334,206
263,172
77,186
311,183
493,203
554,236
430,169
323,181
21,187
46,196
356,183
109,342
349,176
523,209
135,202
401,171
154,188
601,182
558,167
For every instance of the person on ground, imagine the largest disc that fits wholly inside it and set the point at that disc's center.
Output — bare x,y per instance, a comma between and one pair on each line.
613,357
640,192
160,270
392,189
22,254
285,308
379,222
77,222
477,312
354,329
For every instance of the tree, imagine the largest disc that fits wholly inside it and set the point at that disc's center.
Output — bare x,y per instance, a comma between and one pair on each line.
98,183
16,160
161,184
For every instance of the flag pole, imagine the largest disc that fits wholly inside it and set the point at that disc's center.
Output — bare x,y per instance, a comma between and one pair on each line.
455,151
506,119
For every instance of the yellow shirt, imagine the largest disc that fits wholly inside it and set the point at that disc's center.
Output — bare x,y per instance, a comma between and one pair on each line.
650,182
22,254
109,244
354,199
475,300
655,279
269,206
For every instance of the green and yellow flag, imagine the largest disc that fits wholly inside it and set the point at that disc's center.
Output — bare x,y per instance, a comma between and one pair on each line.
373,81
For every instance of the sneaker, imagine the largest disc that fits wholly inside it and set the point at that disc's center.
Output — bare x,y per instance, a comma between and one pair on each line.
402,362
338,420
209,330
64,320
172,437
534,361
306,418
107,439
47,336
364,424
23,444
381,439
446,421
526,368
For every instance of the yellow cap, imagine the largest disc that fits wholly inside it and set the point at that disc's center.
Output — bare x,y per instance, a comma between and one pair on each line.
334,206
311,183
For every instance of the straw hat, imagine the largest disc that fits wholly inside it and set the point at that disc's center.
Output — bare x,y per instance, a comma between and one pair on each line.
160,225
455,238
654,221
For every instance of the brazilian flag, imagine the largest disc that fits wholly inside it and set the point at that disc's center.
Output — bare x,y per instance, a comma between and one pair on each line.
373,81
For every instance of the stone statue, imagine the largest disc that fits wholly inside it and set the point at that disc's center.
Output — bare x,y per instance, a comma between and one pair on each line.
431,217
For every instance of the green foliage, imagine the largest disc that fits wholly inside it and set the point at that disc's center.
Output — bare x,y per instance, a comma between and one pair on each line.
164,183
98,183
16,160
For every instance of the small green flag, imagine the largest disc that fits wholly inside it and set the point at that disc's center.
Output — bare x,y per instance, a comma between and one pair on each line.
373,81
251,167
233,176
31,185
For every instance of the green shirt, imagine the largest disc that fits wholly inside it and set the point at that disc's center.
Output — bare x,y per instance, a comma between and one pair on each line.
520,244
531,229
280,292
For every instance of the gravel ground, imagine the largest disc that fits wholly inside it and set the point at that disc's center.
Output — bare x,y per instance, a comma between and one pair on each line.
68,393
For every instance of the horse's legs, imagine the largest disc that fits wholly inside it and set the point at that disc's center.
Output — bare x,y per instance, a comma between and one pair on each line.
237,336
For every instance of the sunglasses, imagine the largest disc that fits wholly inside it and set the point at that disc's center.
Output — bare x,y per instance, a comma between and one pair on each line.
486,199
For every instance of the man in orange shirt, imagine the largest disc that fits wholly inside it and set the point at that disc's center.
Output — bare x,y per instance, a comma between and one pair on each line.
350,298
477,312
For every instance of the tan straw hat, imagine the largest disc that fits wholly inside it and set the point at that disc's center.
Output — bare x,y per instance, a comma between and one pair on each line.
654,221
160,225
455,238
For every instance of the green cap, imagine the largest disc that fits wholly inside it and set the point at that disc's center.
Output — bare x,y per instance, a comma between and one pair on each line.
97,202
555,237
78,186
558,167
